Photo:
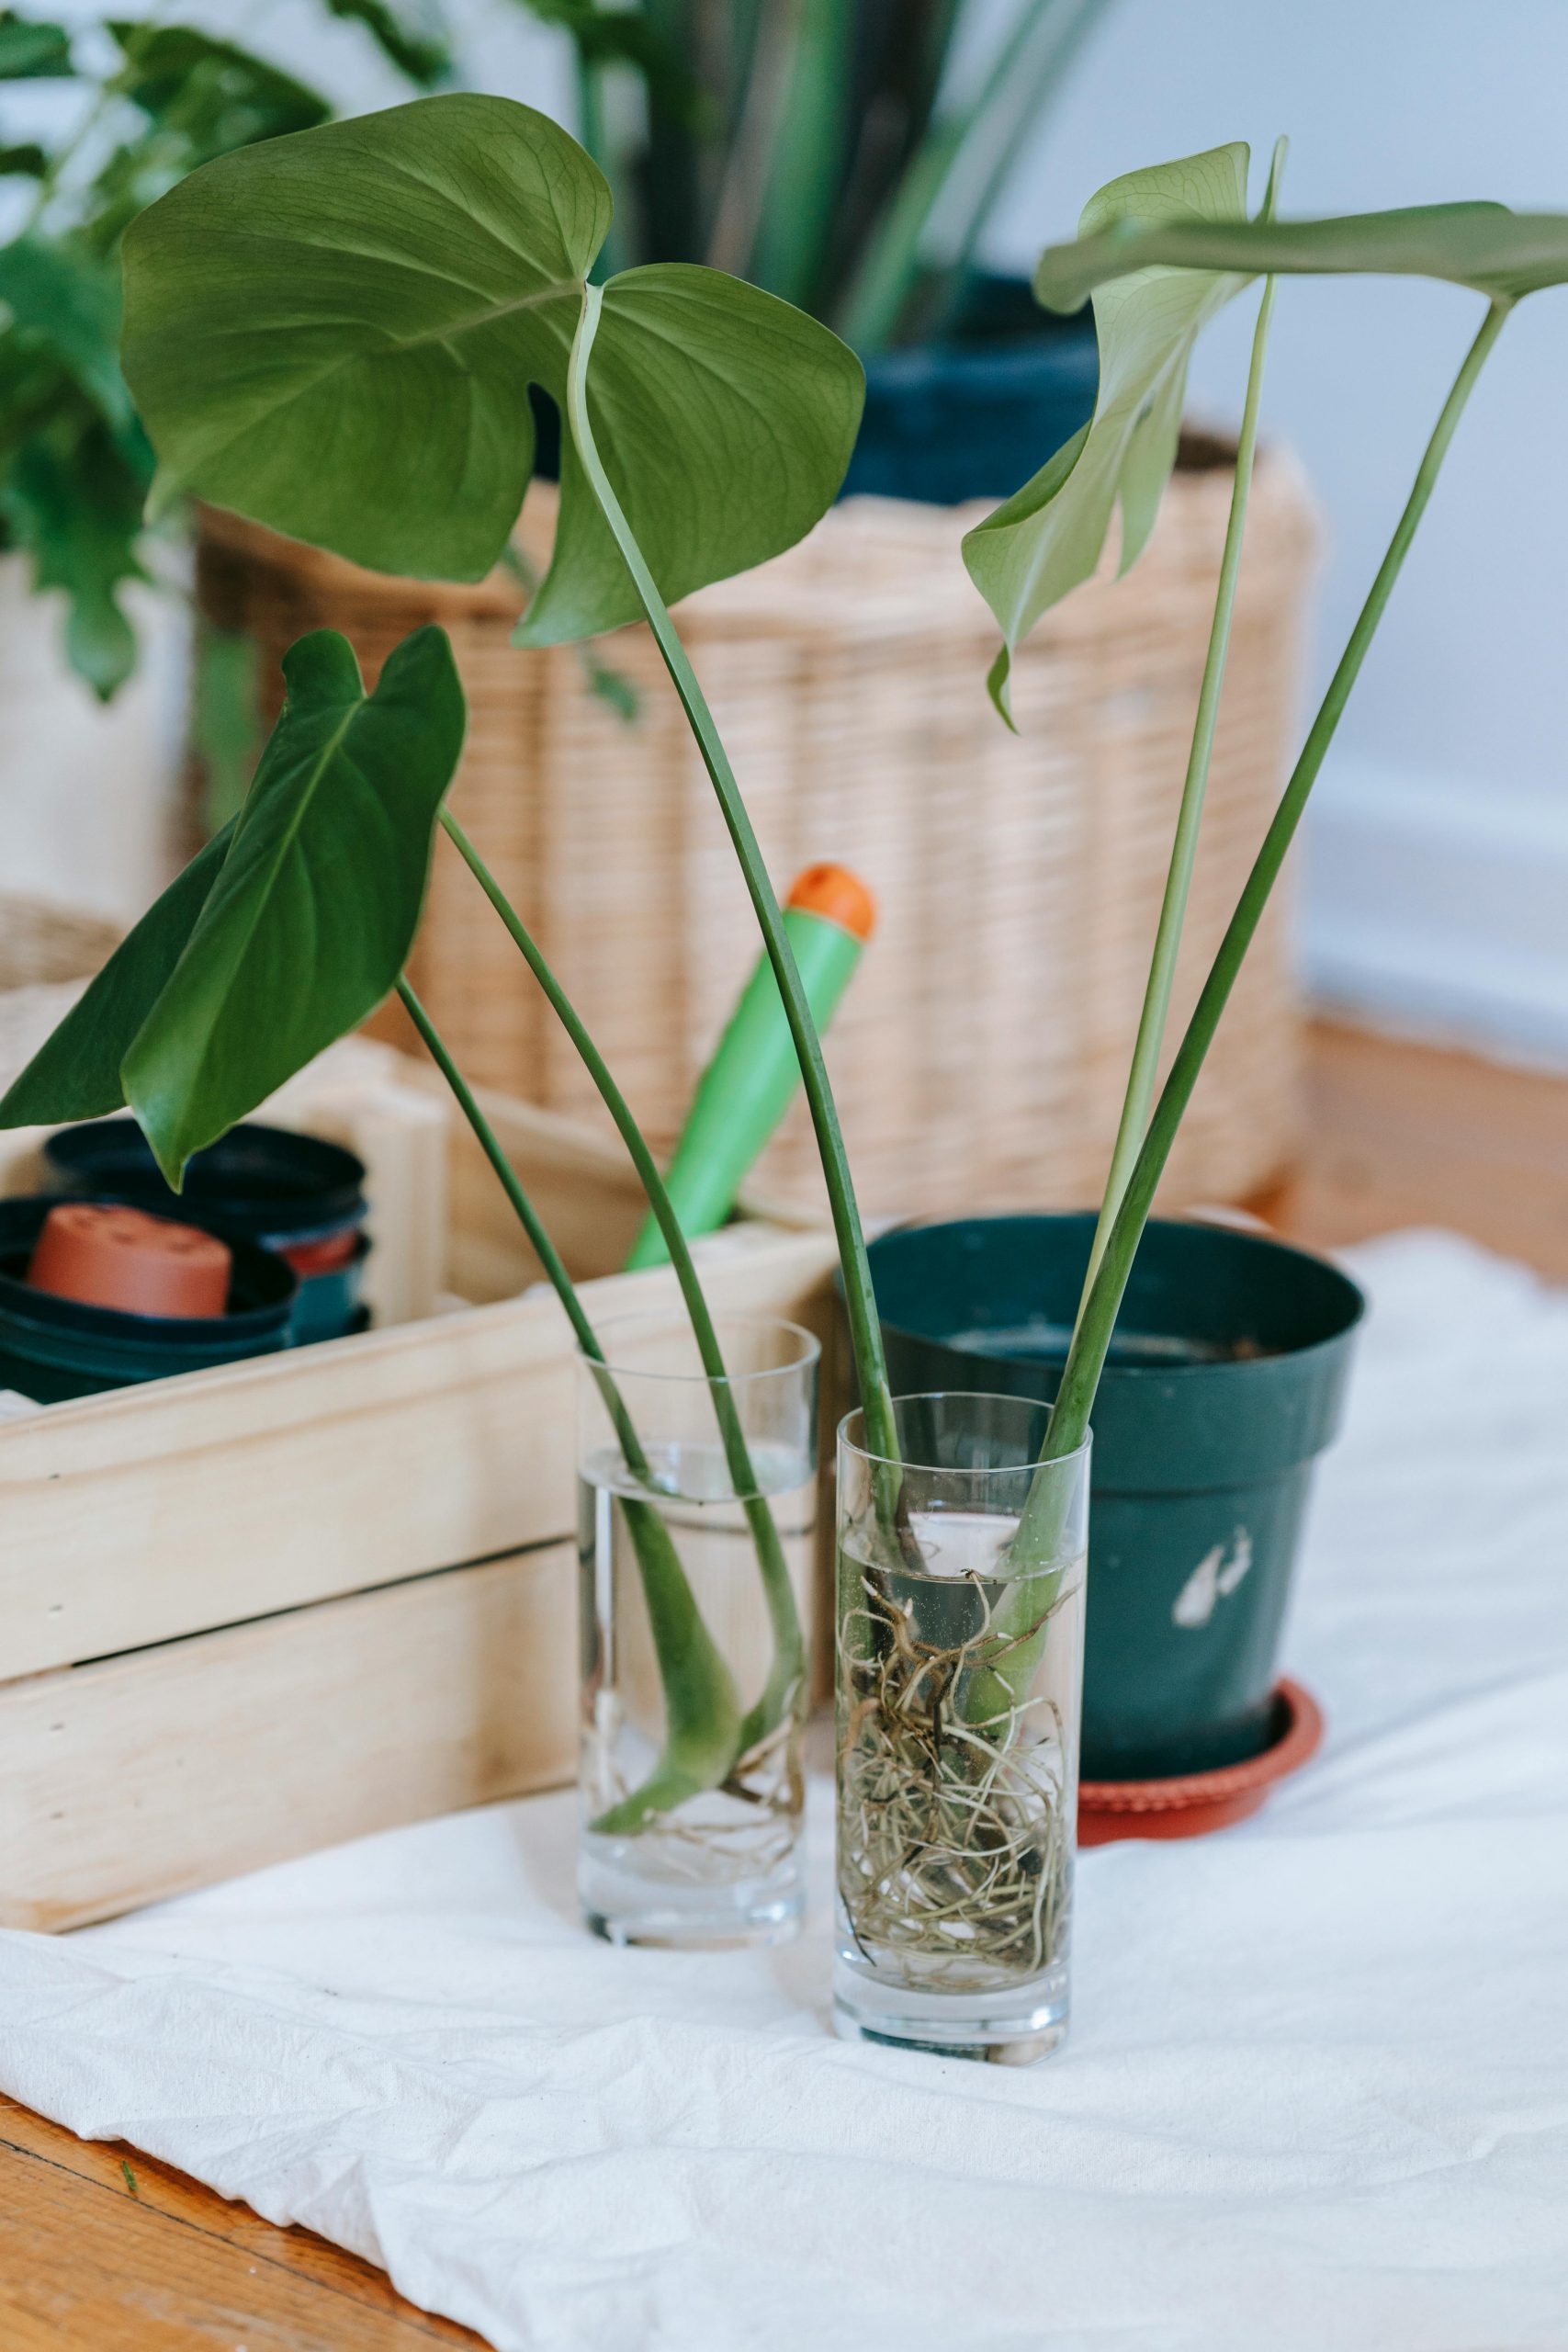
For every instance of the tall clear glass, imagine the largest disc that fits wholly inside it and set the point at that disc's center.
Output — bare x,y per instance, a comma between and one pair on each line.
696,1589
960,1676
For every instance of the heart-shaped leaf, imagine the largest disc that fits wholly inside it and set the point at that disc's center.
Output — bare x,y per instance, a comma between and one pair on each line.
1501,253
313,911
334,334
1049,535
76,1072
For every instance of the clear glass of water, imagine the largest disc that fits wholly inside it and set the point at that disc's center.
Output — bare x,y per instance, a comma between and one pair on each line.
697,1505
960,1674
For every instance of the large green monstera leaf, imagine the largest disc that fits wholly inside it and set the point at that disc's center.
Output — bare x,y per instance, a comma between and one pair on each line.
1049,535
334,334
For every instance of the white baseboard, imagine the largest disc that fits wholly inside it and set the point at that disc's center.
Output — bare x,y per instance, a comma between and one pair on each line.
1439,908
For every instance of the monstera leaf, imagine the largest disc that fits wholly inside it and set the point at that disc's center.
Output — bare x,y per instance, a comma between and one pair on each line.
1502,255
334,334
73,500
61,305
76,1073
289,928
1048,538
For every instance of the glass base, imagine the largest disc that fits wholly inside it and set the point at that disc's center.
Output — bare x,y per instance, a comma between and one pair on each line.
1014,2028
628,1909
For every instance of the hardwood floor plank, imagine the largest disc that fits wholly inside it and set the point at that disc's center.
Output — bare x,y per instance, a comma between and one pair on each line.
89,2264
1401,1134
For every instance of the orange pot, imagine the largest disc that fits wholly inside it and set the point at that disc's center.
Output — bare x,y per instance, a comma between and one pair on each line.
110,1256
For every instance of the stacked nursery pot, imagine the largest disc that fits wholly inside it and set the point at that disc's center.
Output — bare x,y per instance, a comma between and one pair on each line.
979,1057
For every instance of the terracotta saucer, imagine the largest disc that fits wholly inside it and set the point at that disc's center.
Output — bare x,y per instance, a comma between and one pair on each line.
1190,1803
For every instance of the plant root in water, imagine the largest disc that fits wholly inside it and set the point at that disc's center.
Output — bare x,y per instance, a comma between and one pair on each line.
955,1837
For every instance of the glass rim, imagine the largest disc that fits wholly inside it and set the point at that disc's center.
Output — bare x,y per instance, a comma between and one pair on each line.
959,1470
808,1354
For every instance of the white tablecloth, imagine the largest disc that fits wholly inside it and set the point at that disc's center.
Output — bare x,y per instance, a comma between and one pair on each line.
1316,2093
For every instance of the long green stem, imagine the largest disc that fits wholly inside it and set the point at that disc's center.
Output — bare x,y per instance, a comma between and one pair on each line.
874,301
1042,83
1086,1357
788,1669
1155,1011
528,1217
703,1727
864,1328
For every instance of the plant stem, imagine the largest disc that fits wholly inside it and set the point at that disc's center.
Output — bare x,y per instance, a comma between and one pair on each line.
1024,76
865,1331
1184,848
528,1217
1041,84
789,1646
704,1733
794,212
1086,1357
874,301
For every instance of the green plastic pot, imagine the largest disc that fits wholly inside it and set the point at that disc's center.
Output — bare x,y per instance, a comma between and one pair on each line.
1226,1382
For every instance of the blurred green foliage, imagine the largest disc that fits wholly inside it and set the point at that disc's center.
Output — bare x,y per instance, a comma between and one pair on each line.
154,101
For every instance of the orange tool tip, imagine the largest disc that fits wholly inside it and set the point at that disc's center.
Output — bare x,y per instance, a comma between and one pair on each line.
841,897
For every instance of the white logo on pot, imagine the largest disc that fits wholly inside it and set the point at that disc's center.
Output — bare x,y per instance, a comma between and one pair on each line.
1217,1573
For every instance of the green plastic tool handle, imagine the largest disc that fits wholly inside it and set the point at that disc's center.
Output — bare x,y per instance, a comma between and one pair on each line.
749,1085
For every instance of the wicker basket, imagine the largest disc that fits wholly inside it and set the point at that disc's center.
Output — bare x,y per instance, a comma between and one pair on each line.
47,955
980,1055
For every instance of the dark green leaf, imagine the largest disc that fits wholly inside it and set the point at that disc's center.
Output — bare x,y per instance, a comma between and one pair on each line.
725,420
74,501
60,302
1501,253
215,97
619,37
76,1072
26,162
335,334
316,906
420,53
31,51
1049,537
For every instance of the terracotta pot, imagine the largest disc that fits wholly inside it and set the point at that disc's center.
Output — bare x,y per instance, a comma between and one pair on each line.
108,1255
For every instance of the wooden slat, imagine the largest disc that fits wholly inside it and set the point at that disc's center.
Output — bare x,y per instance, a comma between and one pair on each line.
93,2262
150,1774
159,1511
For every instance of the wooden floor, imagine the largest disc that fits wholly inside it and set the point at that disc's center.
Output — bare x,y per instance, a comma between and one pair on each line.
102,2250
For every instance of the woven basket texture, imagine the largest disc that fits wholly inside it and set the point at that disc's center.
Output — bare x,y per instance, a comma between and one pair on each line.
47,954
43,944
980,1055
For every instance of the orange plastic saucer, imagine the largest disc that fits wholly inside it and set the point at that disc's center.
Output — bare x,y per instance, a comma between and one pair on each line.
1191,1804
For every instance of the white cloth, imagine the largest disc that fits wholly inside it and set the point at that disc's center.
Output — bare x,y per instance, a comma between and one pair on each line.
1316,2093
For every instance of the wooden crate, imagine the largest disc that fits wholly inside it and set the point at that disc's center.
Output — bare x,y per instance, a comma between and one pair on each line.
254,1611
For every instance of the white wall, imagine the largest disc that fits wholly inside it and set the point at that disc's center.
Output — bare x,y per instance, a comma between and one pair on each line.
1463,709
